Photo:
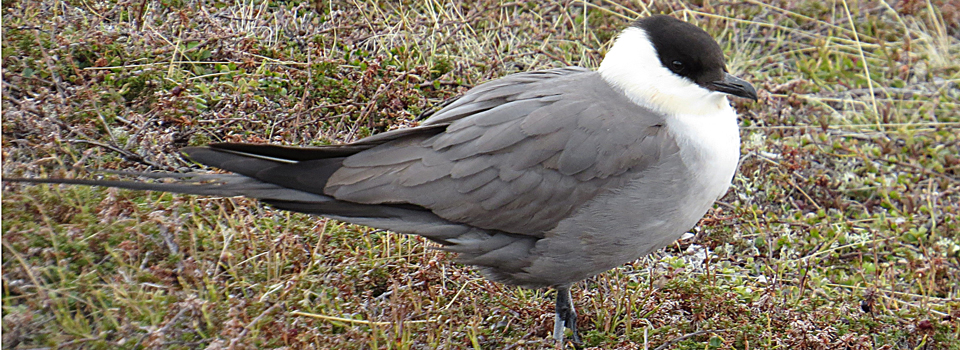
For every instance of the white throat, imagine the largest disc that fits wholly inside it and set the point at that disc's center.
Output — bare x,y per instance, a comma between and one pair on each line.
702,121
633,66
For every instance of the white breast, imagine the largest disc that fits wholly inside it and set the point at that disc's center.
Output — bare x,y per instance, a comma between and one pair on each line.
709,146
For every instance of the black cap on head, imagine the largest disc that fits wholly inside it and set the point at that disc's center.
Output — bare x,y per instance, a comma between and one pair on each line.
684,48
690,52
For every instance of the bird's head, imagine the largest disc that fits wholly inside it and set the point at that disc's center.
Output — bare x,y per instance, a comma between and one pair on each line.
673,66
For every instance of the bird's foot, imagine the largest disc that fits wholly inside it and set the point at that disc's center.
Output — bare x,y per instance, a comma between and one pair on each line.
566,317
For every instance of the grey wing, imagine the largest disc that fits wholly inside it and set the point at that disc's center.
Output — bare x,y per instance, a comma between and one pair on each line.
516,157
495,93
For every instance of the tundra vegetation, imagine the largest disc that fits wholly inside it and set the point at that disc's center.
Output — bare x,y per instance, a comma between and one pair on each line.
841,230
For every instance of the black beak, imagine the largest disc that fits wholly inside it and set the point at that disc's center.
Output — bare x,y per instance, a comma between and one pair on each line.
733,86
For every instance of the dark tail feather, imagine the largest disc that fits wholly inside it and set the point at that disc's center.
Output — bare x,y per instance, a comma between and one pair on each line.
240,163
307,175
285,153
291,154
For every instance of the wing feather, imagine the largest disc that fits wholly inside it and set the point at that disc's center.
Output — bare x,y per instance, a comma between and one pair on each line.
542,156
419,173
471,183
544,120
498,138
579,154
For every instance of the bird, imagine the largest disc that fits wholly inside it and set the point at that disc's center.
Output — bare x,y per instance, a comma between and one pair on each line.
538,179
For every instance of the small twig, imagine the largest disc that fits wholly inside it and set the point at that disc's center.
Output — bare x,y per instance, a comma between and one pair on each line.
130,156
139,14
804,193
53,72
133,157
167,326
365,112
168,240
339,319
555,57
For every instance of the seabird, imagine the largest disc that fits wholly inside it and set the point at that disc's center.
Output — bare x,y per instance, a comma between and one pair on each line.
539,179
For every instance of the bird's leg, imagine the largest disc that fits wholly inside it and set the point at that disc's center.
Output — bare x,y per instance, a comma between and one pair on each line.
566,315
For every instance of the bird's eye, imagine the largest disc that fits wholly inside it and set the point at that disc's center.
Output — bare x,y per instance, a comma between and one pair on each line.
677,66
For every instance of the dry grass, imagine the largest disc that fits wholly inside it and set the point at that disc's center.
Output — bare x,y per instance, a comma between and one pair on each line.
841,231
